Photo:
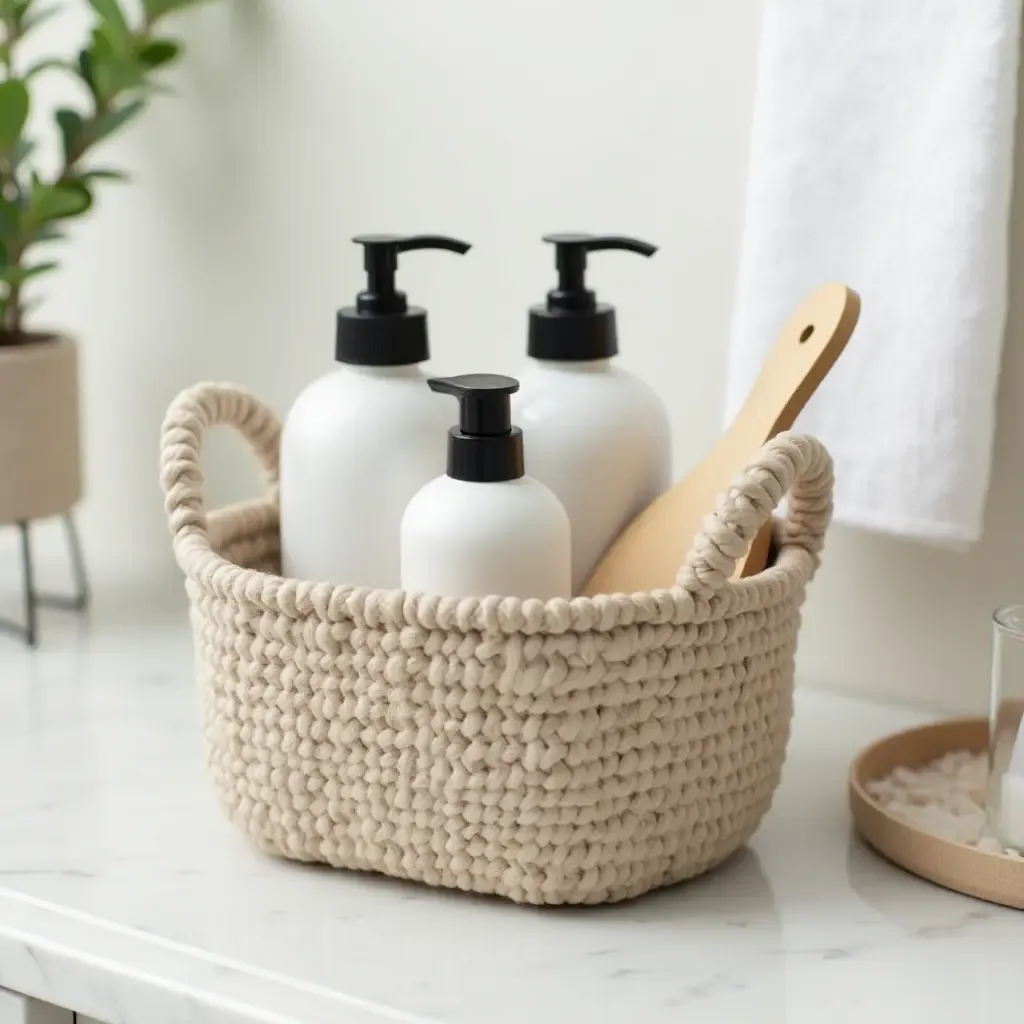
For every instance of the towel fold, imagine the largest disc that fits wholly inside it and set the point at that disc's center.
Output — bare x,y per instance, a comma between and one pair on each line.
881,156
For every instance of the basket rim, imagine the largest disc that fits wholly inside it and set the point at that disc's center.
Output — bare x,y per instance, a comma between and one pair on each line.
298,599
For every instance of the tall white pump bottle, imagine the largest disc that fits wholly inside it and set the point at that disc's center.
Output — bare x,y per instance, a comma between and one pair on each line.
359,442
485,527
598,436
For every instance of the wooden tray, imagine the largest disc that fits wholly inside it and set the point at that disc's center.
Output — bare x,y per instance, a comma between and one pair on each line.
988,876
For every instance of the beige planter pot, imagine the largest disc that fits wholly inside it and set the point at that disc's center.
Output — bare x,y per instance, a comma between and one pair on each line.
40,455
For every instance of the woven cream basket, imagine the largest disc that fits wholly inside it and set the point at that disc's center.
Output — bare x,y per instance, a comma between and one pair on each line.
551,752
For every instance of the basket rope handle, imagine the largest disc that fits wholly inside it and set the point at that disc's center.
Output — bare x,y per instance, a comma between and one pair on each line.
190,415
792,464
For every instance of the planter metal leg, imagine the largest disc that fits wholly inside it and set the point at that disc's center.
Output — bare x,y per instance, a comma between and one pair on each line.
29,581
77,601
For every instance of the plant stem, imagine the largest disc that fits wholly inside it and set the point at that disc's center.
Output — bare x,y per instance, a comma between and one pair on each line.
13,312
14,308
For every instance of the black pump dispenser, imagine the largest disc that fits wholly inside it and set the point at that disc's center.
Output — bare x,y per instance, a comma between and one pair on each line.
484,447
572,325
382,329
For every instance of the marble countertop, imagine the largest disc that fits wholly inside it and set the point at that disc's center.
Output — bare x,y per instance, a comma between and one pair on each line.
124,894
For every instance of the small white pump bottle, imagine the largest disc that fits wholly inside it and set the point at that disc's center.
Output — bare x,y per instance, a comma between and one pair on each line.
599,437
359,442
485,527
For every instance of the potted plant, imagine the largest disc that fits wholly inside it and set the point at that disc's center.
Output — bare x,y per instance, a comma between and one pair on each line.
117,70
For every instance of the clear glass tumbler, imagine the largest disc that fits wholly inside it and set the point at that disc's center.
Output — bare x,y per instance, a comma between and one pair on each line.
1006,734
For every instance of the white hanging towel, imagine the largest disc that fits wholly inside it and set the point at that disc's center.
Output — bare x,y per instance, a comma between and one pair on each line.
881,157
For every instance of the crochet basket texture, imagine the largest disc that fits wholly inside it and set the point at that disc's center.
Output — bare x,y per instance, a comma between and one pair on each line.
577,751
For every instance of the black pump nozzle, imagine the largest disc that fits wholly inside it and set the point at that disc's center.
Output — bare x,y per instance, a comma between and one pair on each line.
381,262
571,250
484,447
573,325
382,329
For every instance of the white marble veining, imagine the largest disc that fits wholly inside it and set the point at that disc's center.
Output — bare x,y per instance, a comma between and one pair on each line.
125,896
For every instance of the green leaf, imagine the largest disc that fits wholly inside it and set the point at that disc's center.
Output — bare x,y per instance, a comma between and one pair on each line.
85,69
115,120
158,8
19,275
13,112
103,174
158,52
12,11
104,44
112,15
57,202
115,74
48,232
112,65
72,131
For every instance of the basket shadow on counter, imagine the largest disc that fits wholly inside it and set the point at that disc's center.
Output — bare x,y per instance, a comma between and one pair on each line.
714,941
737,889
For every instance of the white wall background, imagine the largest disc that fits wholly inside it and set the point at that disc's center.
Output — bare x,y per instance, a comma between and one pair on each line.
299,123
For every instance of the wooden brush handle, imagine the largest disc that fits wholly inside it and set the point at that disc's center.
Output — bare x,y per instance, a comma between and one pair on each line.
647,554
806,349
808,346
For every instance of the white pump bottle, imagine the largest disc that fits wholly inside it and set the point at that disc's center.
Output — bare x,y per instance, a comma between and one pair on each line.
598,436
485,527
359,442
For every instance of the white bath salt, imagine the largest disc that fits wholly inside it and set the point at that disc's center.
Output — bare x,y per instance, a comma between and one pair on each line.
946,798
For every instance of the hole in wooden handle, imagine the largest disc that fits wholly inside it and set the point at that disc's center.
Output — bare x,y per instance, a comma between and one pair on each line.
806,333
